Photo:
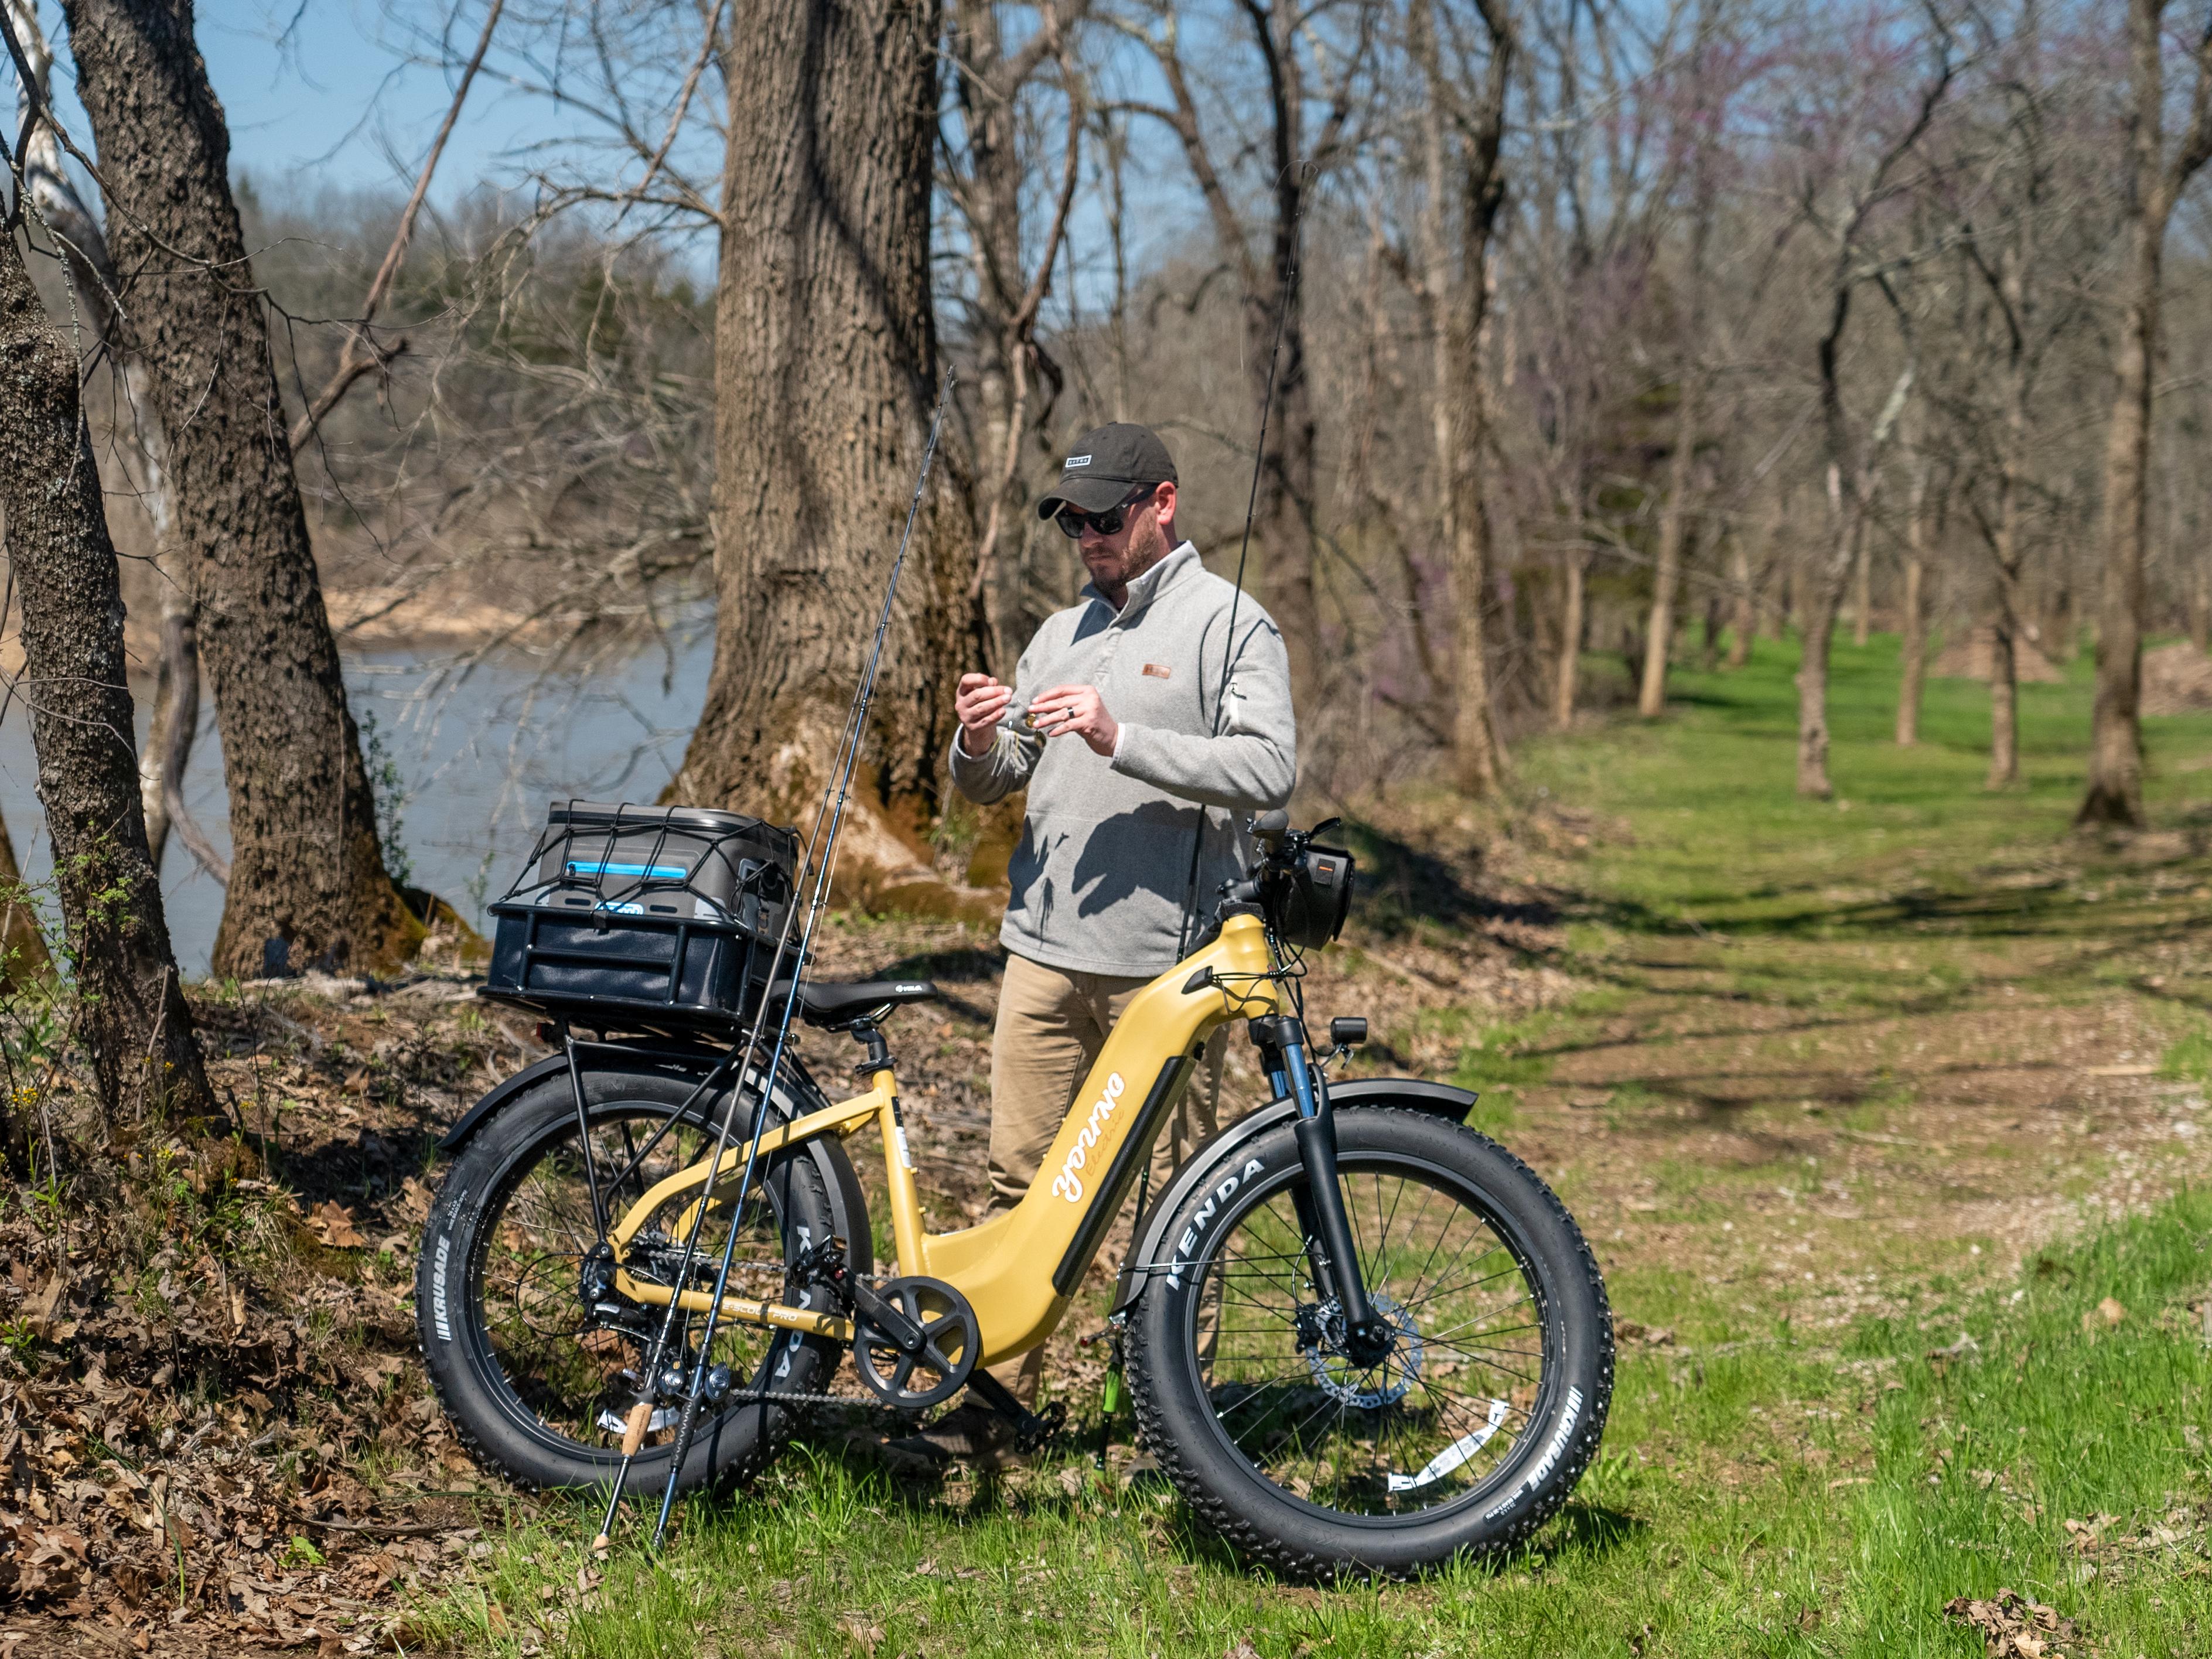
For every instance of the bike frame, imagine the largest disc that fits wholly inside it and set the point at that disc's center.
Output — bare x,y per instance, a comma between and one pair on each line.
1000,1265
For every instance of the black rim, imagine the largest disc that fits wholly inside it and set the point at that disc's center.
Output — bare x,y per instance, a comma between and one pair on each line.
1443,1419
563,1375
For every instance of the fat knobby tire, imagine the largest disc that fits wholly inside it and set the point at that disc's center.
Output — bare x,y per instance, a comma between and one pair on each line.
1298,1538
487,1416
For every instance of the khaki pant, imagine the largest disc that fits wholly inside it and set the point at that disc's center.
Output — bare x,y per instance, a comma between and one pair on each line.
1051,1026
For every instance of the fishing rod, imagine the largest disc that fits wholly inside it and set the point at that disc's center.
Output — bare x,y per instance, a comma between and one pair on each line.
1290,281
835,796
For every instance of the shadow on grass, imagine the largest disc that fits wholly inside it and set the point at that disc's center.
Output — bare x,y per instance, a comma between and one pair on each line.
843,1451
1401,883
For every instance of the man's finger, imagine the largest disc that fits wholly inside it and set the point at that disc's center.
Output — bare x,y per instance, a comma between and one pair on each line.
970,682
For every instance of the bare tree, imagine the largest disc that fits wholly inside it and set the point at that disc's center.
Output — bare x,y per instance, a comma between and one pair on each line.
1009,288
2153,181
63,215
1296,151
1469,68
130,1000
307,879
826,368
1841,210
1912,648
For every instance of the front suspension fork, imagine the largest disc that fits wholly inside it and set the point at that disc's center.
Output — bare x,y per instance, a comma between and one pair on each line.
1321,1214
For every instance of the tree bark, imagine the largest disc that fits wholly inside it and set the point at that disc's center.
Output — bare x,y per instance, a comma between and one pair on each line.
170,734
2152,183
1823,602
2200,598
1863,593
23,956
61,213
1651,700
989,82
1478,114
1747,603
128,999
825,373
1913,650
307,882
2004,701
1571,645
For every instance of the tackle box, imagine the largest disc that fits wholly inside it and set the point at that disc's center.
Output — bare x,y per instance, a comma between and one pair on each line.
661,916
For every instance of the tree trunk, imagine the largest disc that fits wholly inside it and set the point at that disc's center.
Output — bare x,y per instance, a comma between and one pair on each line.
989,81
1823,600
1747,603
23,956
825,373
175,724
1477,754
1651,701
128,999
1284,522
2200,594
1570,646
1863,593
2004,700
2115,793
307,880
2152,185
63,217
1913,649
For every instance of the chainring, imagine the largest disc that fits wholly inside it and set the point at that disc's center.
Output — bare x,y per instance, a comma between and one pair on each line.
951,1341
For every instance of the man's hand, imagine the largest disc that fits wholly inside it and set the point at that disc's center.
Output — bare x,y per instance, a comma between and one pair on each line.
978,706
1076,711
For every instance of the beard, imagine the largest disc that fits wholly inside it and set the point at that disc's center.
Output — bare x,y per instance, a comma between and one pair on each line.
1148,545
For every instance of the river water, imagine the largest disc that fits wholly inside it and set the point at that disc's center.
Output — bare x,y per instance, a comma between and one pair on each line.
476,760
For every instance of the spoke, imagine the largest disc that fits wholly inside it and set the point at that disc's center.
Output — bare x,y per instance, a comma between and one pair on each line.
1513,1268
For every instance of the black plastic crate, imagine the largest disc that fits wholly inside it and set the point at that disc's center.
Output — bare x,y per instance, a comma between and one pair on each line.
662,917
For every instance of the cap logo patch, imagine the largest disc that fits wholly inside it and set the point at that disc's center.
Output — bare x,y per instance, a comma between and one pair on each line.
1074,461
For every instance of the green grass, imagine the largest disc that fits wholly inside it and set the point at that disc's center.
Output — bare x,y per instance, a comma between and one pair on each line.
1799,1503
1767,1487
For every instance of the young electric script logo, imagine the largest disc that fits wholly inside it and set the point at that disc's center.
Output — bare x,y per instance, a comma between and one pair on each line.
1069,1185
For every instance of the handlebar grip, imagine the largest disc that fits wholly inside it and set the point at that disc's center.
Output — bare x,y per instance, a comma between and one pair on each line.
1268,828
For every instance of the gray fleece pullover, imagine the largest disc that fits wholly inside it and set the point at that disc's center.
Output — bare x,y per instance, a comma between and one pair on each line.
1100,875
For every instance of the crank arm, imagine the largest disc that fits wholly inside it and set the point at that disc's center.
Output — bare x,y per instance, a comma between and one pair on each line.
906,1336
776,1315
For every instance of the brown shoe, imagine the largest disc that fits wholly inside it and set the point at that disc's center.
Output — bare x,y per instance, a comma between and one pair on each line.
969,1433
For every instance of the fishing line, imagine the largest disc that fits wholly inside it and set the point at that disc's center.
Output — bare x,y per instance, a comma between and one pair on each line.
843,767
1290,280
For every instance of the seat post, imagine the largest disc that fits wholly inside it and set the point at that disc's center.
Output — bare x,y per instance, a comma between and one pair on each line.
878,1056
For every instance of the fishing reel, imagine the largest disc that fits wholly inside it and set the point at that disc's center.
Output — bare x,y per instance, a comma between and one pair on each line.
916,1341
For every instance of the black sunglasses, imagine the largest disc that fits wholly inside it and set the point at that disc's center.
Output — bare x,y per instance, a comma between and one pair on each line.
1107,523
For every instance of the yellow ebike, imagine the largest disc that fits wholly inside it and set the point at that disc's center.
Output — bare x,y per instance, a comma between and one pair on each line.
1358,1334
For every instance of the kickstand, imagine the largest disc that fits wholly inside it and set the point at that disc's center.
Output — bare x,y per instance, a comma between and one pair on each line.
1031,1430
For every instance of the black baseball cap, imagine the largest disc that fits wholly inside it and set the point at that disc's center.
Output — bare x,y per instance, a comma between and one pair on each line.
1105,465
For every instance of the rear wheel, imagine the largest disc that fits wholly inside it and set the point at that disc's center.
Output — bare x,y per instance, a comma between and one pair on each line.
533,1354
1462,1436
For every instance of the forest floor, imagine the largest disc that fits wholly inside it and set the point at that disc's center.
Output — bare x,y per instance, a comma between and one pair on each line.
1884,1116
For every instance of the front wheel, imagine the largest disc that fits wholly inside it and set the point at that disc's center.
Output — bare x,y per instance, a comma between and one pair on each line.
1461,1437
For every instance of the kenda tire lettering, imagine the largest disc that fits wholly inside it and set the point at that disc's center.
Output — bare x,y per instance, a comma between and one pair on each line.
1187,1244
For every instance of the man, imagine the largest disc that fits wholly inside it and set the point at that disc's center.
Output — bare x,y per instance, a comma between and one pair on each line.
1133,742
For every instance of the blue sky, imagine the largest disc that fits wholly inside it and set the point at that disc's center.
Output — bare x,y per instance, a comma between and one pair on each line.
320,93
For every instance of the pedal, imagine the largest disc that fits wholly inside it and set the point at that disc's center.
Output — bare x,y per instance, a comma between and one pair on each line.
1031,1429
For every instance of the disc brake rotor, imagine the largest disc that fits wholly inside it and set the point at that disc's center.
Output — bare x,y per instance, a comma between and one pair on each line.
1322,1338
